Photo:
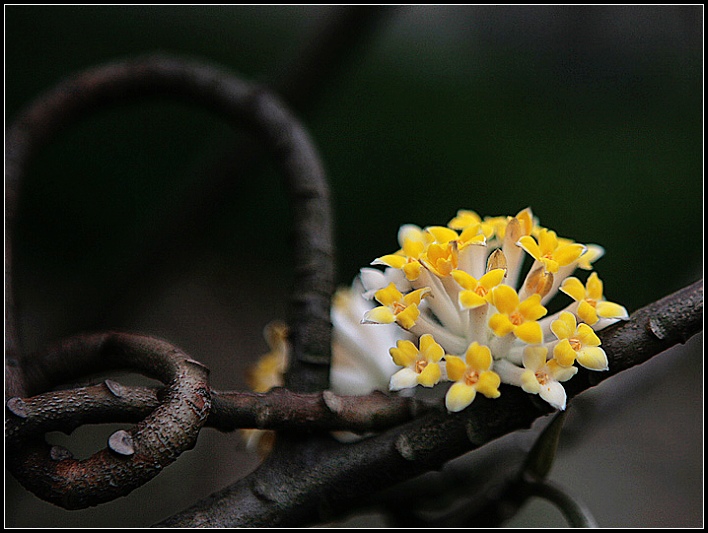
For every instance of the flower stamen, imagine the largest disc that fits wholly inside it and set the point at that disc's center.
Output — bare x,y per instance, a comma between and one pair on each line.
516,318
471,377
420,366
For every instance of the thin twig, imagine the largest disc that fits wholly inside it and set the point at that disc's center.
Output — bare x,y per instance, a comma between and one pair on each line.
575,512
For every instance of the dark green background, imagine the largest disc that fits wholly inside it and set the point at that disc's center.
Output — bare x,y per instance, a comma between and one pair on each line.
590,115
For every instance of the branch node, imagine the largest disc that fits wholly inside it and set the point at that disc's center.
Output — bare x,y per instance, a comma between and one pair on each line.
115,388
332,401
655,327
17,407
261,490
198,364
59,453
404,448
262,416
475,437
121,442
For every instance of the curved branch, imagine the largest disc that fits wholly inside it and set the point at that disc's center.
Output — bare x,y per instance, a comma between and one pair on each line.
132,457
314,479
242,104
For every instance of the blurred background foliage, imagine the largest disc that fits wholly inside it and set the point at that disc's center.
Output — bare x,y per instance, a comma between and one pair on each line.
590,115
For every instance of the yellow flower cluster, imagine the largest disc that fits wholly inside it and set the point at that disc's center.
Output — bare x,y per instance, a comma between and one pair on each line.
456,304
458,291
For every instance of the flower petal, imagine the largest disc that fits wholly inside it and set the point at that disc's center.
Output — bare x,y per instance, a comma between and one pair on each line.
564,327
413,248
414,297
410,232
561,373
430,375
547,241
529,383
470,300
574,288
388,295
554,393
594,286
392,260
531,308
566,255
379,315
429,349
534,357
592,254
404,354
593,358
442,234
479,357
529,244
455,367
463,219
563,353
587,336
408,316
505,299
587,313
405,378
459,396
611,310
372,279
529,332
412,270
501,325
488,384
471,235
464,279
492,278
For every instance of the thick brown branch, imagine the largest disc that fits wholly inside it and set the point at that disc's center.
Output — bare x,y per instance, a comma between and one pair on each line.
313,479
133,457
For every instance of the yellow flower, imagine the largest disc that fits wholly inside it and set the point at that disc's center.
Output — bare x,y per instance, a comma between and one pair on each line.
473,230
471,375
538,376
549,251
269,369
396,307
476,293
464,219
484,313
577,342
268,372
592,254
360,360
591,305
413,241
420,367
516,317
